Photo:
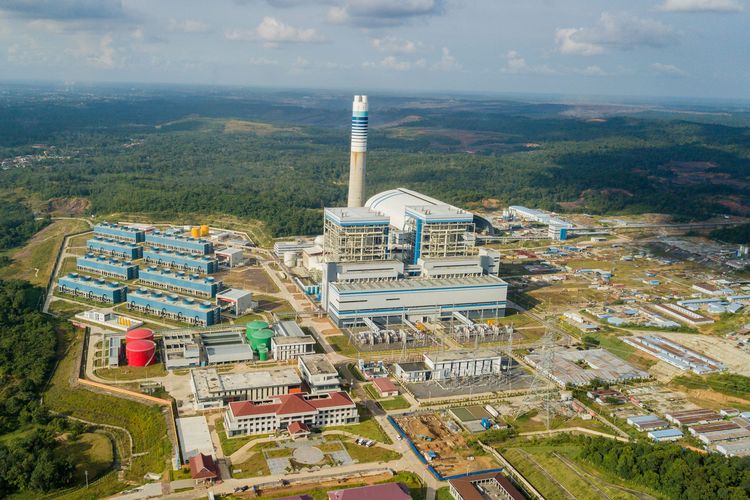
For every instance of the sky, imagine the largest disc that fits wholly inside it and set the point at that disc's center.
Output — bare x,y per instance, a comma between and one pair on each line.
680,48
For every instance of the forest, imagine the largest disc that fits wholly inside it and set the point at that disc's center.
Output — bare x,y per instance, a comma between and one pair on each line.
281,157
738,234
28,459
17,223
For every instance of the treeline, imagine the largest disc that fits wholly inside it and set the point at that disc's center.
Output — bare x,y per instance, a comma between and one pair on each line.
28,344
669,469
736,234
17,223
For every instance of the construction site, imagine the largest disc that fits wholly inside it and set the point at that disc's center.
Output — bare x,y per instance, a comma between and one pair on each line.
441,443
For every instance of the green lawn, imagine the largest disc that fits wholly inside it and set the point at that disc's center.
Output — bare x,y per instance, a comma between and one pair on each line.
231,444
132,372
146,423
341,345
394,403
363,454
367,427
443,493
66,310
92,452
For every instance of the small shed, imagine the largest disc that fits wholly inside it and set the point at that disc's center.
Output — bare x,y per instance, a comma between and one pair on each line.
385,387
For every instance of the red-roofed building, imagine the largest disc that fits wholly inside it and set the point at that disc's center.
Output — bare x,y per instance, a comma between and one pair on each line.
298,429
385,387
203,468
386,491
475,487
312,410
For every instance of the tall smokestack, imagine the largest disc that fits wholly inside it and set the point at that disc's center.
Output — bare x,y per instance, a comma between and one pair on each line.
359,152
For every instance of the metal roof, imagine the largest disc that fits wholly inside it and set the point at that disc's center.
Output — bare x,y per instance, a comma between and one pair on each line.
419,283
393,204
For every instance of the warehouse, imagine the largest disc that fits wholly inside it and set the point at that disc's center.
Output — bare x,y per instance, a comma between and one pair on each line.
692,417
558,228
665,435
417,299
235,301
110,268
226,348
107,246
230,257
181,282
739,448
177,243
579,368
675,354
119,233
319,374
93,289
174,307
181,261
647,423
214,390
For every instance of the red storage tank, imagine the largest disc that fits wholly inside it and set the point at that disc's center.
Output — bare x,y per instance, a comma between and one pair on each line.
140,352
139,334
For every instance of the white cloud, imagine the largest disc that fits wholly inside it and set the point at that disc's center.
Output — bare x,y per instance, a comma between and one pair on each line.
383,12
273,33
447,62
620,31
701,6
395,45
262,61
668,70
517,65
187,26
594,70
389,63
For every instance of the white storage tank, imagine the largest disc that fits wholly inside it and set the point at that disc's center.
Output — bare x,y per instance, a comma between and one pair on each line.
290,259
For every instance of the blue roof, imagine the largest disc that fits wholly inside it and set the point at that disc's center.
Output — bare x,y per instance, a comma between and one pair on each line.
665,433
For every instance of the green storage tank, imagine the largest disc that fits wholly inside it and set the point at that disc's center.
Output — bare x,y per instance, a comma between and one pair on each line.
254,326
262,353
261,338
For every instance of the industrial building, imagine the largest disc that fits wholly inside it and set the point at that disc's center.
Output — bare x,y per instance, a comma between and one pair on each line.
490,485
194,436
110,268
452,364
645,423
92,288
214,390
319,374
178,243
665,435
113,248
119,233
385,491
182,261
281,412
579,368
290,341
558,228
230,257
235,301
739,448
438,231
675,354
355,235
683,314
175,307
416,299
684,418
109,320
180,281
114,345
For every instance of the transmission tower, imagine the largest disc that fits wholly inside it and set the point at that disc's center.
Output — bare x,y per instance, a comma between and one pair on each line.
541,389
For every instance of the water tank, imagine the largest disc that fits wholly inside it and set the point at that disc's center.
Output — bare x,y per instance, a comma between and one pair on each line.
195,232
139,334
204,230
319,240
255,325
261,338
140,352
262,353
290,259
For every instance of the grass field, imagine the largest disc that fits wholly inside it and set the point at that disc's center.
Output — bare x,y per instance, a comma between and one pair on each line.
146,423
34,261
92,452
132,372
624,351
367,427
230,445
387,404
533,422
340,344
554,470
65,309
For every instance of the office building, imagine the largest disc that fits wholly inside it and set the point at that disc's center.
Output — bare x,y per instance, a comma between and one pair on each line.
319,374
214,390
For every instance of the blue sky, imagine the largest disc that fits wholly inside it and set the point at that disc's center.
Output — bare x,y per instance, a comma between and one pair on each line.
692,48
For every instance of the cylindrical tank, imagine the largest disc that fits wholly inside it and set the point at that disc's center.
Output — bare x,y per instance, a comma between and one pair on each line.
290,259
319,240
261,338
204,230
195,232
139,334
140,352
262,353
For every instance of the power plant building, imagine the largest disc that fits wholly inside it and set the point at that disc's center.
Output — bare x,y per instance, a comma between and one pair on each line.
174,307
416,299
110,268
181,261
193,284
92,288
177,243
119,233
113,248
355,235
439,231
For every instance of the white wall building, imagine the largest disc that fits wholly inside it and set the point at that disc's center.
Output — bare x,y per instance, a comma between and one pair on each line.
319,373
334,408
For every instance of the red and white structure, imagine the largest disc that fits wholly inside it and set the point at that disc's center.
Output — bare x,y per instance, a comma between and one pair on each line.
286,412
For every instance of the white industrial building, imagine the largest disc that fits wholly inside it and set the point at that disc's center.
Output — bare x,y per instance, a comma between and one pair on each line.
231,257
214,390
235,301
452,364
290,341
319,374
